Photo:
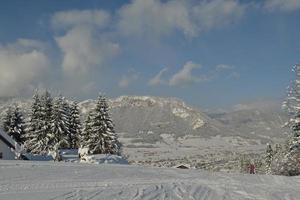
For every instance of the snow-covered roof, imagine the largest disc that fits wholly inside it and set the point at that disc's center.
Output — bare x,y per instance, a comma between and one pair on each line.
10,142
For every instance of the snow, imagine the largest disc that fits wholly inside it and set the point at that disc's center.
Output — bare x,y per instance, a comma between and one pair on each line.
51,180
179,112
198,124
104,159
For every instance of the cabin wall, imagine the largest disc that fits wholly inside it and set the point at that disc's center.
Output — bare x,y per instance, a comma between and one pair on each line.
6,152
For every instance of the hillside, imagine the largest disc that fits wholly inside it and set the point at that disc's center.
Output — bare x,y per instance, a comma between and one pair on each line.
49,180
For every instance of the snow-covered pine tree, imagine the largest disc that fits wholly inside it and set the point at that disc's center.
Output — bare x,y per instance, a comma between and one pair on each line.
17,126
59,125
74,125
35,137
86,133
13,124
46,118
292,105
289,162
103,138
6,121
268,158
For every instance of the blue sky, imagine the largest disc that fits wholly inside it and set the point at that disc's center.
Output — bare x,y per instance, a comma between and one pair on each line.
210,53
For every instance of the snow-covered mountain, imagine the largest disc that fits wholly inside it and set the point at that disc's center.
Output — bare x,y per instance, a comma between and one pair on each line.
263,120
146,115
141,116
156,129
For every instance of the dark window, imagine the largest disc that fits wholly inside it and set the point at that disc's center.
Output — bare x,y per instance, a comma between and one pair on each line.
1,155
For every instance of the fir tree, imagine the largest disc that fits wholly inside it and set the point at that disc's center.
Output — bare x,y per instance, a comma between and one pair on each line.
35,137
103,139
288,161
7,120
17,131
74,126
46,119
86,133
292,105
59,126
268,158
13,124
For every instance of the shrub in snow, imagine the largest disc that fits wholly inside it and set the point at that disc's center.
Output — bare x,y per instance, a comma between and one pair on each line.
55,155
19,151
82,152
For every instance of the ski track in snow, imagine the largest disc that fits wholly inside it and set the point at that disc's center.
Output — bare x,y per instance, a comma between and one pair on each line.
56,181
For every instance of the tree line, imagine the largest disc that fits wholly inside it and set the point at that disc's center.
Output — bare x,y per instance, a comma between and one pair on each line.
55,123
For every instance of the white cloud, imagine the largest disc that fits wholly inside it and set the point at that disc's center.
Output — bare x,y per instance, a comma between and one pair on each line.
67,19
157,79
83,49
215,13
184,76
84,45
155,18
282,5
128,79
21,64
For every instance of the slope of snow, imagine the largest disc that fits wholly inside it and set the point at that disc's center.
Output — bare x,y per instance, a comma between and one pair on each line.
48,180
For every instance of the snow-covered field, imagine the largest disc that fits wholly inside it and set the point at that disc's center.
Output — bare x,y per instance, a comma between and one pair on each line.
49,180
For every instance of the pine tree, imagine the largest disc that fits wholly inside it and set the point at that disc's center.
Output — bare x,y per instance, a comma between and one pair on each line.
103,139
17,131
35,137
268,158
59,125
86,133
46,119
292,105
13,124
74,126
288,162
6,125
